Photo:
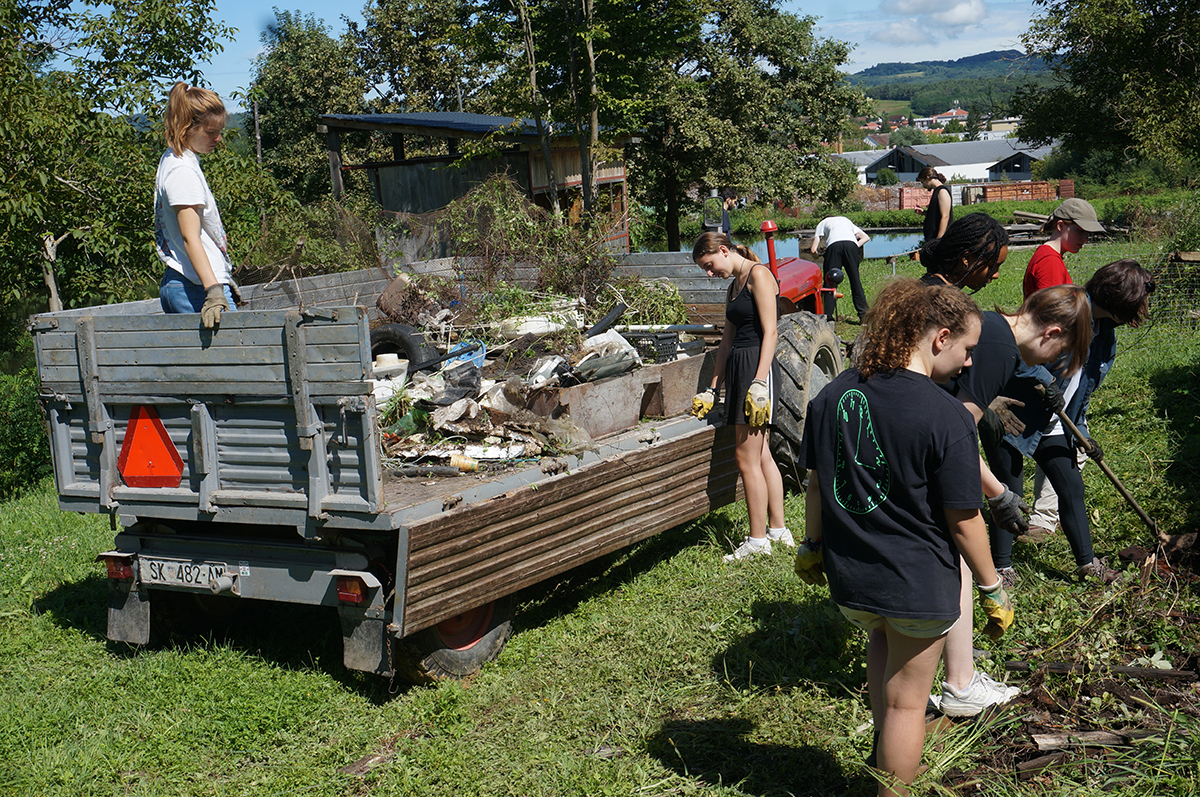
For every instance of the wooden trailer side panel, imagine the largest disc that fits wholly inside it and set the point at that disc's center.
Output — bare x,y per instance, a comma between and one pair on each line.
467,557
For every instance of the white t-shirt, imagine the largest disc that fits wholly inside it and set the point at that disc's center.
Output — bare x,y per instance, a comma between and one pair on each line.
180,182
838,228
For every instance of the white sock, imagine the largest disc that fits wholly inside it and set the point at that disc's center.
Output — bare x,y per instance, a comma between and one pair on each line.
776,532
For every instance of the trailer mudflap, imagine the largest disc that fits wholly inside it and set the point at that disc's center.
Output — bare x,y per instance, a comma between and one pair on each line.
128,613
366,643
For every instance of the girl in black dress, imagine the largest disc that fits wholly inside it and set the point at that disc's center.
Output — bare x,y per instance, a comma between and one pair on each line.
746,365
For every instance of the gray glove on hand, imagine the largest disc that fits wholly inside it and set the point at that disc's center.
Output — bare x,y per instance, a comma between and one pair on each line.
1053,398
702,403
214,305
758,407
1007,509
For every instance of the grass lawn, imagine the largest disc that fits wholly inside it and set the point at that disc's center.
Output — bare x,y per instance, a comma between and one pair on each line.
658,671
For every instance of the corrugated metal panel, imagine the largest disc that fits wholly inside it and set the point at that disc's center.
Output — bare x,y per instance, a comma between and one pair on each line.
469,556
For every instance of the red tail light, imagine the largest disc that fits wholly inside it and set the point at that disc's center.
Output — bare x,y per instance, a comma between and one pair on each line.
351,589
118,565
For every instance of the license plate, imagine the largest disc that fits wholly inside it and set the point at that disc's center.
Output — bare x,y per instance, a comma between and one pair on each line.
180,574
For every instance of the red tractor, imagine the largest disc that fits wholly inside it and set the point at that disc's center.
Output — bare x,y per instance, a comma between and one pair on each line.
809,352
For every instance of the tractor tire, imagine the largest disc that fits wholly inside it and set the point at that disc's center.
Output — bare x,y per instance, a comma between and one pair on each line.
404,340
809,356
457,647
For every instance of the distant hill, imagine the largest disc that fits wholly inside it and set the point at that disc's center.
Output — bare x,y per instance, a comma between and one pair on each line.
985,81
1004,64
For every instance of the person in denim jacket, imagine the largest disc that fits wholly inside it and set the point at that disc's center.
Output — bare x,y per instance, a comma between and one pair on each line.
1119,294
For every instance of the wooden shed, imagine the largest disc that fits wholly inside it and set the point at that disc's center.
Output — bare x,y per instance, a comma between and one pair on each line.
424,184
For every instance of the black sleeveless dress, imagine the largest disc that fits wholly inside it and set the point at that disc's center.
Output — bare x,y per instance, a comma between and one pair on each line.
742,362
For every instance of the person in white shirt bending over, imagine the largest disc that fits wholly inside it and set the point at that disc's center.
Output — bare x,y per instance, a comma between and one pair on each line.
844,241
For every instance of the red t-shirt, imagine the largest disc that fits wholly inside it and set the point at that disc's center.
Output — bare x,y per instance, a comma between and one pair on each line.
1045,270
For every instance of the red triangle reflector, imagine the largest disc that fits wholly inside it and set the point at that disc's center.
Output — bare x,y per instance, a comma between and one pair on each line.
148,457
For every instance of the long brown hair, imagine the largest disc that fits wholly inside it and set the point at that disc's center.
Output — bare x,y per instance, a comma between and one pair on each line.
187,109
1067,307
709,243
903,313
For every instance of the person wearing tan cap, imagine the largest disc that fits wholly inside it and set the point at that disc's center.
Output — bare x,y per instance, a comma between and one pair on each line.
1069,227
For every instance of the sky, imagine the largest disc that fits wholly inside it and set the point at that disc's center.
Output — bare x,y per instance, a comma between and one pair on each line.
881,31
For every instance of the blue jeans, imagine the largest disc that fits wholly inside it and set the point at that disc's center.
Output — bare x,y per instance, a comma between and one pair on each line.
178,294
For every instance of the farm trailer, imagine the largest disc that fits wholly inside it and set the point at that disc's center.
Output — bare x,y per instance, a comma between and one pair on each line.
244,464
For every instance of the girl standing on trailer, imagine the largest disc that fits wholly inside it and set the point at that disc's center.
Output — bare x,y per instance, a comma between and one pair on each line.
746,365
893,501
188,235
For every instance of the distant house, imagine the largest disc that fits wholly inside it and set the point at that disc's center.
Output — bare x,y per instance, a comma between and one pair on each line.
975,161
860,160
421,185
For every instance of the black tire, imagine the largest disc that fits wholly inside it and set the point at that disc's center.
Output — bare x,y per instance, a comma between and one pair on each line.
408,342
809,357
459,646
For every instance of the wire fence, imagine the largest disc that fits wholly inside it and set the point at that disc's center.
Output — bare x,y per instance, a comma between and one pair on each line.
1174,304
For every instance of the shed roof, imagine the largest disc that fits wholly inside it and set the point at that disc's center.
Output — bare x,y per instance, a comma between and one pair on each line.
964,152
440,125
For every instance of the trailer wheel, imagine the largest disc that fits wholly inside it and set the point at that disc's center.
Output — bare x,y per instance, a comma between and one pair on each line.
459,646
809,357
404,340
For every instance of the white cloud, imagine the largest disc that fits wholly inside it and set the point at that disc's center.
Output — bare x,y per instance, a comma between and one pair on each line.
962,14
909,31
909,8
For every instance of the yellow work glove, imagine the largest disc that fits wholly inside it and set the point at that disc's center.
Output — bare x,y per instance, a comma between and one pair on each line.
214,305
758,405
998,607
702,403
810,563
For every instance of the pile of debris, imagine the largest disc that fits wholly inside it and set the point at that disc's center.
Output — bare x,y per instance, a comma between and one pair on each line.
468,409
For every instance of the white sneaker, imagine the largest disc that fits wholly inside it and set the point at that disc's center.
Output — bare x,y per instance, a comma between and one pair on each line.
749,547
983,691
783,535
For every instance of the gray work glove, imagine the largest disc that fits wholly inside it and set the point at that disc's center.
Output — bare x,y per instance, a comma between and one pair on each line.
214,305
1008,512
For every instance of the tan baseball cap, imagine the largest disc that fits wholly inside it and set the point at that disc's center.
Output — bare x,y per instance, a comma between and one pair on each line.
1079,211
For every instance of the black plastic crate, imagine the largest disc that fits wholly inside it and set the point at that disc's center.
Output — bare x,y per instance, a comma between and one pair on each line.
658,347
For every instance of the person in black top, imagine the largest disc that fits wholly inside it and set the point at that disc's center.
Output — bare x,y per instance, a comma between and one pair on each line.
893,499
967,255
940,211
746,365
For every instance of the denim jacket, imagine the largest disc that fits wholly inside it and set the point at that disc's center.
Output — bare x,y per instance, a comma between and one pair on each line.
1101,353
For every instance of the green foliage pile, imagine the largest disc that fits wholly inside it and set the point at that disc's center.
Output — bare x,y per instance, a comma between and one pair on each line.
24,446
886,176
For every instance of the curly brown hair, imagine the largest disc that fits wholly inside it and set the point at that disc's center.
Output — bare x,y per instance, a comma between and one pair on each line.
904,312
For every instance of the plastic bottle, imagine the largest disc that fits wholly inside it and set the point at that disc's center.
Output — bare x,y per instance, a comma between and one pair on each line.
463,462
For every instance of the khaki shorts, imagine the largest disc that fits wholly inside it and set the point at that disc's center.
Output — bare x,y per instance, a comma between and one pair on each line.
917,629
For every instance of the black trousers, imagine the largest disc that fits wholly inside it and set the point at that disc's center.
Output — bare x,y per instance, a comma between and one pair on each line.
1056,456
847,255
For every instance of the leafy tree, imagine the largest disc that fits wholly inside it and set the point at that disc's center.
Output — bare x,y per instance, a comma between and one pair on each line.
907,136
75,193
743,98
429,55
954,126
303,73
886,176
1126,75
974,123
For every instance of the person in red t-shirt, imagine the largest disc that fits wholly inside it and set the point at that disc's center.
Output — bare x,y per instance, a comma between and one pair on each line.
1069,226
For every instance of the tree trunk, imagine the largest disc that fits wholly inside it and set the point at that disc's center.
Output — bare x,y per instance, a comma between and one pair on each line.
49,257
671,186
527,28
587,153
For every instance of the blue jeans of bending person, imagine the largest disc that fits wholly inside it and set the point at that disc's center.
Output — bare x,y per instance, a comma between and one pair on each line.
178,294
1056,456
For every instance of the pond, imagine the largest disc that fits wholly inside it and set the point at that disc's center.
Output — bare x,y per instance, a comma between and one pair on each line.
880,246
